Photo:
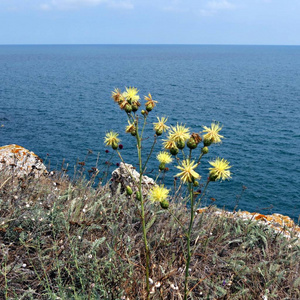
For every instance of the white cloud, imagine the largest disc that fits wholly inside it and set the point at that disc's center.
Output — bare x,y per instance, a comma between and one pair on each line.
220,5
76,4
214,6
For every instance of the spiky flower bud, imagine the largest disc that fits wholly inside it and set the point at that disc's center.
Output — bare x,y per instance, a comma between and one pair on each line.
204,150
207,141
128,108
128,190
138,196
164,204
213,177
180,144
149,107
135,107
174,150
159,132
114,145
191,143
162,166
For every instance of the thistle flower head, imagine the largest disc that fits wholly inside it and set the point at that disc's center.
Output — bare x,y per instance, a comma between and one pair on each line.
111,139
164,157
187,173
150,104
130,128
160,125
169,144
159,193
116,95
212,133
196,137
179,133
123,102
220,169
131,94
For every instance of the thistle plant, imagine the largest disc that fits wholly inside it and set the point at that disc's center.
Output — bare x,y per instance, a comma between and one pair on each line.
180,146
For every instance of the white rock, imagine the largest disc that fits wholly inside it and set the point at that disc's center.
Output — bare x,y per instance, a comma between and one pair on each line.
18,161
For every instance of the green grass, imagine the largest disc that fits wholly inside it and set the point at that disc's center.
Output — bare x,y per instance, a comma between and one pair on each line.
66,240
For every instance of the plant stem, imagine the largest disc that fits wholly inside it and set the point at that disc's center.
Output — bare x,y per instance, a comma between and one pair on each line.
200,157
152,148
189,242
139,148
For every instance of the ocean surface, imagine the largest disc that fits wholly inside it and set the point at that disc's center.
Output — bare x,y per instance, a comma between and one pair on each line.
56,101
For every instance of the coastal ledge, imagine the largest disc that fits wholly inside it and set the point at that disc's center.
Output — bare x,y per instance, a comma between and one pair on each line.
281,224
19,162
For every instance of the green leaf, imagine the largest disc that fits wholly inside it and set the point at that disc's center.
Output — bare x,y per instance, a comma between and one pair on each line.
150,223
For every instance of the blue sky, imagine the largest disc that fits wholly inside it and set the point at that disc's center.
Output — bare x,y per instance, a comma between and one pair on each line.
267,22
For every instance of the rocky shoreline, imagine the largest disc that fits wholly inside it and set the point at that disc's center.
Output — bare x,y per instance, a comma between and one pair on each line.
19,162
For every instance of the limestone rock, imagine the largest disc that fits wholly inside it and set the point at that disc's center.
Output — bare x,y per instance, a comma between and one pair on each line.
18,161
126,175
280,223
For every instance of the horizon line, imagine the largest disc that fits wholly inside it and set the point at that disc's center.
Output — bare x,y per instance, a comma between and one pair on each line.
142,44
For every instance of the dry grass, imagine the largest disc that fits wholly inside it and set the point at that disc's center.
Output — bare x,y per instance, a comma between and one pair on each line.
64,240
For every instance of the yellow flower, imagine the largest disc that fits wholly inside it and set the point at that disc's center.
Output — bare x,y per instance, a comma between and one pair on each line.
131,94
116,95
169,144
150,104
160,125
179,133
219,170
164,157
123,102
159,193
188,174
111,139
212,134
130,128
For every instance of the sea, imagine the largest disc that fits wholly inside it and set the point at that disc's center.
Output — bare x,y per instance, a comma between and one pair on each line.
55,100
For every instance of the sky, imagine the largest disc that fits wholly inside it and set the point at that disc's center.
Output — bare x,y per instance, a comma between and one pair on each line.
250,22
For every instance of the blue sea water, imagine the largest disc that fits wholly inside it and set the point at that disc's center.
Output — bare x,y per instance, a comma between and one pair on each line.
56,100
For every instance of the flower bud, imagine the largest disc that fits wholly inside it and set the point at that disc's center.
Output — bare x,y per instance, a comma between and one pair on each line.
159,132
204,150
164,204
174,150
162,166
212,177
134,107
191,143
128,190
180,144
133,132
196,183
138,196
149,107
144,112
207,142
114,145
128,108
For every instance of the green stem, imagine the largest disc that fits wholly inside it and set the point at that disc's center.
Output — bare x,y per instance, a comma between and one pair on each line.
145,119
152,148
200,157
159,171
186,291
139,148
183,153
